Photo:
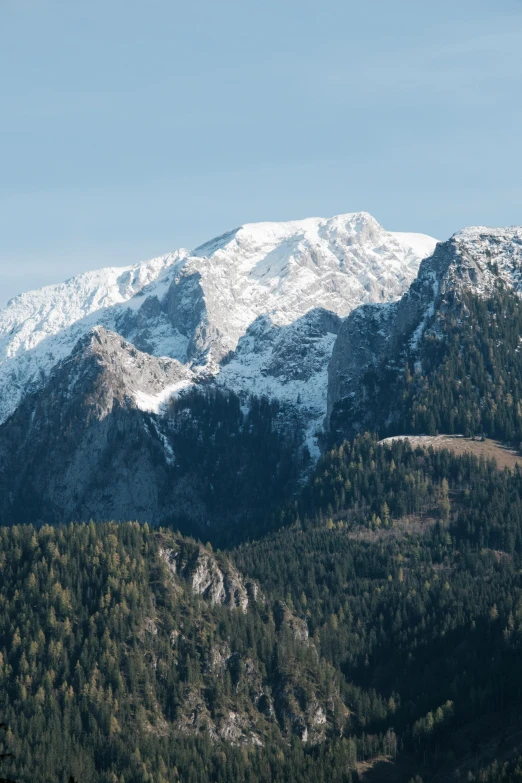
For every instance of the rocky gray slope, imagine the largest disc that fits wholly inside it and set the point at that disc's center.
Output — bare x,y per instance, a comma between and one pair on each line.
86,445
285,696
77,448
218,583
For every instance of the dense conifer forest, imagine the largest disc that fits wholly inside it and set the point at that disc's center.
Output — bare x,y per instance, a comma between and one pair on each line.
405,566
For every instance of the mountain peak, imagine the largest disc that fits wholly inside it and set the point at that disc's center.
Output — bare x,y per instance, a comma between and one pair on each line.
479,257
252,237
489,234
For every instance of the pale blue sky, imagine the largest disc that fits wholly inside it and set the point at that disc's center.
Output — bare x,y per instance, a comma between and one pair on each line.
132,128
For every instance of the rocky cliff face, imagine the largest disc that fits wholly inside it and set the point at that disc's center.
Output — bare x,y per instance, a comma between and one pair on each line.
281,695
374,338
199,567
78,448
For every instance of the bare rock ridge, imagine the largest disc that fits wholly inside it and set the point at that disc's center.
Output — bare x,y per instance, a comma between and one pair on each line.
132,378
110,435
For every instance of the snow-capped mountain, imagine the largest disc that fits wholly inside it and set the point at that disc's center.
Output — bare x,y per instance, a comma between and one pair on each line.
258,291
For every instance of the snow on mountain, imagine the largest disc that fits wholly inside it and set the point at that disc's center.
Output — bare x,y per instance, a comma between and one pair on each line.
286,269
153,403
34,316
260,291
40,328
420,244
487,253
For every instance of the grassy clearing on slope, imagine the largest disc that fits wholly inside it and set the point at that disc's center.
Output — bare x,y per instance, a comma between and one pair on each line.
489,449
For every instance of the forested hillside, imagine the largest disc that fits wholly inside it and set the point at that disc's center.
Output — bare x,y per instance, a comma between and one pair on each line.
382,621
471,379
133,656
408,572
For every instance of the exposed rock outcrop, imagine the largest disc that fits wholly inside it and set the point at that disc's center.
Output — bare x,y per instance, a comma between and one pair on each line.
237,696
218,583
297,625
